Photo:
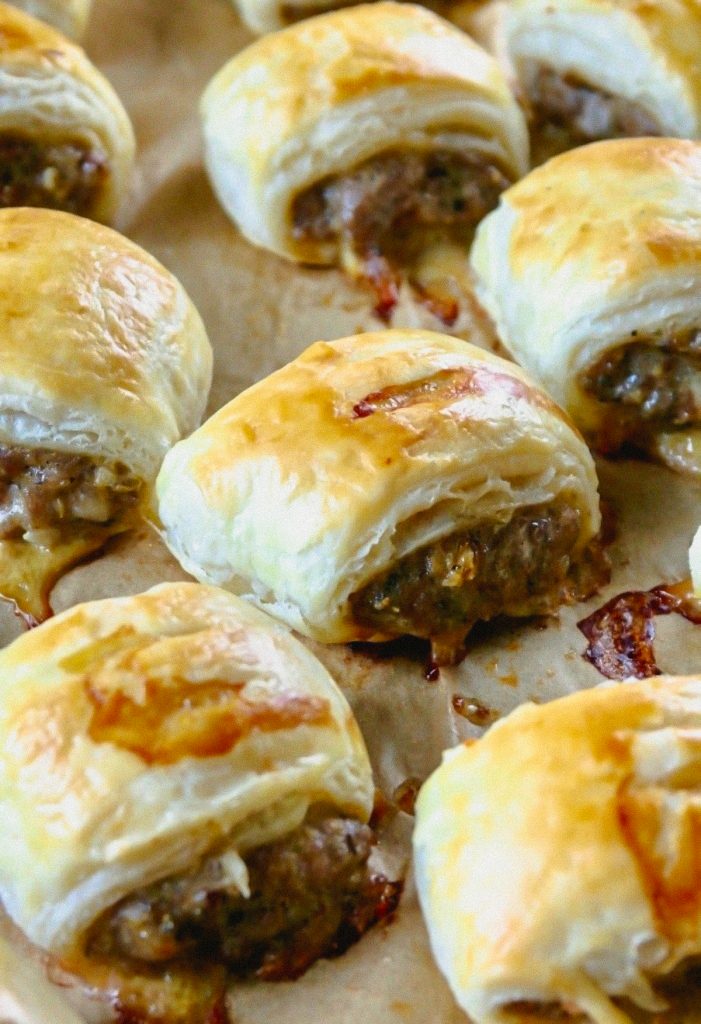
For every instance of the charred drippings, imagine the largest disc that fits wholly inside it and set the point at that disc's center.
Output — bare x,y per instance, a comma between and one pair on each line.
404,796
621,634
473,710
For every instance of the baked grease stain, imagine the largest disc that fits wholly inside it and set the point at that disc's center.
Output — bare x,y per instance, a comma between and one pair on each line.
471,709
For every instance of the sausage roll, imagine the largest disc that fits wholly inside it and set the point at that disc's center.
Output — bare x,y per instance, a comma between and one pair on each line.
66,141
192,792
603,69
68,16
362,137
399,482
104,364
591,268
557,857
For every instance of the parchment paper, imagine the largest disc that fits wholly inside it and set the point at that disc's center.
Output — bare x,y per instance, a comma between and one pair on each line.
260,312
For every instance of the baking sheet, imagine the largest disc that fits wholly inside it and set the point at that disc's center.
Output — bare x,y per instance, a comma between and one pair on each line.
261,312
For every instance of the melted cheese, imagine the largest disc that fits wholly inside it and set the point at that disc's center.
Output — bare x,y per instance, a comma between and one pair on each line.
443,270
29,571
440,275
181,995
680,450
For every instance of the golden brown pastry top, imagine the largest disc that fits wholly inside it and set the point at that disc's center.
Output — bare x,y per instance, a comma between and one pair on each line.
101,350
340,56
624,208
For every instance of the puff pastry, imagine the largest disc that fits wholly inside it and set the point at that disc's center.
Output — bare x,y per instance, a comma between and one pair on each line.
66,141
591,268
360,137
104,364
557,857
191,789
598,69
68,16
388,483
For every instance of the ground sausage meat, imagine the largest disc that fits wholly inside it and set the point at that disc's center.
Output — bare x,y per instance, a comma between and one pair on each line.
566,112
312,895
43,491
662,385
64,176
649,388
390,203
525,567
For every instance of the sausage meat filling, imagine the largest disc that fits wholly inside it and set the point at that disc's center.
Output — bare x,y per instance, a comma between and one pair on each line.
529,566
47,495
394,205
312,894
64,176
649,388
566,112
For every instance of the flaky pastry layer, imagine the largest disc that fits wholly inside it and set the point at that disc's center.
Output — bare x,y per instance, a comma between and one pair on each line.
557,857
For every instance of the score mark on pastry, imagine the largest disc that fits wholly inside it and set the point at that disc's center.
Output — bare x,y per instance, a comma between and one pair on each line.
174,718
